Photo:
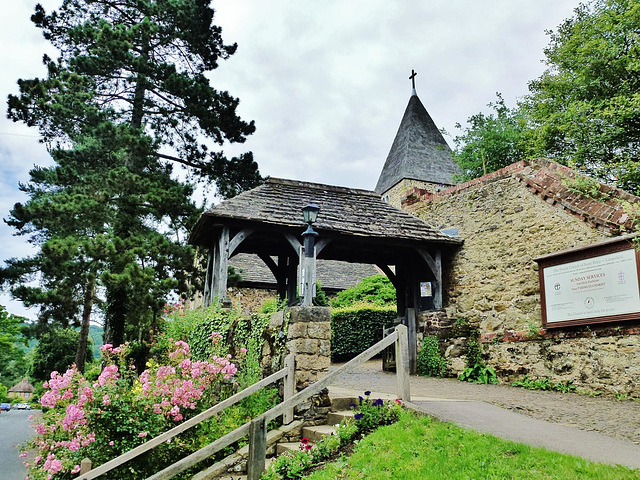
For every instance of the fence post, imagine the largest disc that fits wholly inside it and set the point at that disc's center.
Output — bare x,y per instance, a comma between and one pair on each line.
402,363
85,466
289,385
257,448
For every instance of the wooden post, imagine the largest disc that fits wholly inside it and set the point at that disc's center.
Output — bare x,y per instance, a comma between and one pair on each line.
437,299
292,279
257,448
402,364
413,339
289,385
85,466
223,264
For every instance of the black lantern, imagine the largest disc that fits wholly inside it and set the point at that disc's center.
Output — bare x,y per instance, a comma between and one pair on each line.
310,212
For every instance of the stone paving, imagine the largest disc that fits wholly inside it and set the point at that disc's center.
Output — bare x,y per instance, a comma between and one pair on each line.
617,419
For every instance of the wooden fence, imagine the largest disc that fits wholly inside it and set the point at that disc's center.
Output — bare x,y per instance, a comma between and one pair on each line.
256,428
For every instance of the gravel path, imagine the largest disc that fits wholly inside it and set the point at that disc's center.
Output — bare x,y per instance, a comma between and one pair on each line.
618,419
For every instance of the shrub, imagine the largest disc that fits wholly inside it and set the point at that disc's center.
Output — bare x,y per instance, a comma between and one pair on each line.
430,361
356,328
103,419
476,370
376,289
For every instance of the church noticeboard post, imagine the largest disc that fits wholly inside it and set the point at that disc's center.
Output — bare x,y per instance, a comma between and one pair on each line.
593,284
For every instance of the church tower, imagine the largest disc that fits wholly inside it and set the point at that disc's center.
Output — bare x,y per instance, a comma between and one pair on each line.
419,156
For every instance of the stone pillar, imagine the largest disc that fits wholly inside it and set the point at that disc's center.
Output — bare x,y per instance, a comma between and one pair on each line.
309,338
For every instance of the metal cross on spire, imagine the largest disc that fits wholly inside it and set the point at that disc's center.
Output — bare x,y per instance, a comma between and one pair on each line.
413,79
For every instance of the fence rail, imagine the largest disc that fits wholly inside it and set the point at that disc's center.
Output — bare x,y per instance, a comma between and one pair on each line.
287,372
257,427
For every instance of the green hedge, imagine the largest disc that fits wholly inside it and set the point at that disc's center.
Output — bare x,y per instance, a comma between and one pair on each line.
356,328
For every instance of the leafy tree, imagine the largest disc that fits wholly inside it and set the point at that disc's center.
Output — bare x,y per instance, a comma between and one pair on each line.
12,360
490,142
126,102
585,108
55,351
376,289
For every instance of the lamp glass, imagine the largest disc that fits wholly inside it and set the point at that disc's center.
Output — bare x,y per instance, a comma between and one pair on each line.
310,212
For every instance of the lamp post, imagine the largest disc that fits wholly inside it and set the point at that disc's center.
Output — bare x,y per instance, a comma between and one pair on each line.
310,212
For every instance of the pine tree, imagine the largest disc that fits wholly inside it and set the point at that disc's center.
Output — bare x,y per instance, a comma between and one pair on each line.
124,111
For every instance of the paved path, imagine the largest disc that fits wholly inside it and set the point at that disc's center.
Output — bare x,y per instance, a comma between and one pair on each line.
15,428
599,429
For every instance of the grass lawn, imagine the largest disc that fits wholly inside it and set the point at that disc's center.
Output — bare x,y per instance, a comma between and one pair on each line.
419,447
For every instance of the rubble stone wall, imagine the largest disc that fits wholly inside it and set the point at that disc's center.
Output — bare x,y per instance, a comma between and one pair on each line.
493,287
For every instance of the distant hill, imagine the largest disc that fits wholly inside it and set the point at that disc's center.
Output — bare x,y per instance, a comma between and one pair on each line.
95,334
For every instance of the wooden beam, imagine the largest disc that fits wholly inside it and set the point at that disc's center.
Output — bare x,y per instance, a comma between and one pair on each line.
437,298
223,264
292,278
429,261
295,243
238,238
436,269
388,272
320,244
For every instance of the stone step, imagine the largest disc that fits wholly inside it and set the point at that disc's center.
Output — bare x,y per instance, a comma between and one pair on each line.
219,469
339,403
287,447
314,434
334,418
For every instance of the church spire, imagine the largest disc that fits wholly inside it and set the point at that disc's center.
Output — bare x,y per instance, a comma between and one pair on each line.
419,152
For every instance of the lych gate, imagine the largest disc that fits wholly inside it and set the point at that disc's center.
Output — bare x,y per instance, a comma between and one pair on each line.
353,226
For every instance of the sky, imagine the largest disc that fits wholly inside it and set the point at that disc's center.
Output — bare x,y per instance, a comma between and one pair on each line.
326,82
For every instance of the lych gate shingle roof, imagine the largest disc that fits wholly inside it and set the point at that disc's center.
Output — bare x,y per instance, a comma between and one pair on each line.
419,151
344,211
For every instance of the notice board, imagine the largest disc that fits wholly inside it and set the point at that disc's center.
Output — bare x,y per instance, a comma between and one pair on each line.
593,284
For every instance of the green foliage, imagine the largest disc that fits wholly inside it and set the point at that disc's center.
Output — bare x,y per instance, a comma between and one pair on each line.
545,383
586,186
3,393
585,107
112,214
55,351
320,300
476,370
369,415
490,142
473,352
479,373
376,289
420,447
430,361
356,328
13,364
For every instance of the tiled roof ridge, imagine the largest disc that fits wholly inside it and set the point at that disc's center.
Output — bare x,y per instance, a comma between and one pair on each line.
548,179
321,186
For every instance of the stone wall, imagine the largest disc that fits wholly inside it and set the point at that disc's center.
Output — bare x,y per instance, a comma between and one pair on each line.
493,287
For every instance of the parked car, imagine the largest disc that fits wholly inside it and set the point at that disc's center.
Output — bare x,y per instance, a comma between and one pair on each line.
22,406
5,406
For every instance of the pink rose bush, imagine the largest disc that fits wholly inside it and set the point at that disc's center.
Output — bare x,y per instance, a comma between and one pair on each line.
119,410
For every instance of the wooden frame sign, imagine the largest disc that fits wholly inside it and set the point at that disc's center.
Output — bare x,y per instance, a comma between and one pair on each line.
593,284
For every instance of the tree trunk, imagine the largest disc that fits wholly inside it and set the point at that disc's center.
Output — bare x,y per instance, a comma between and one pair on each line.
89,293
